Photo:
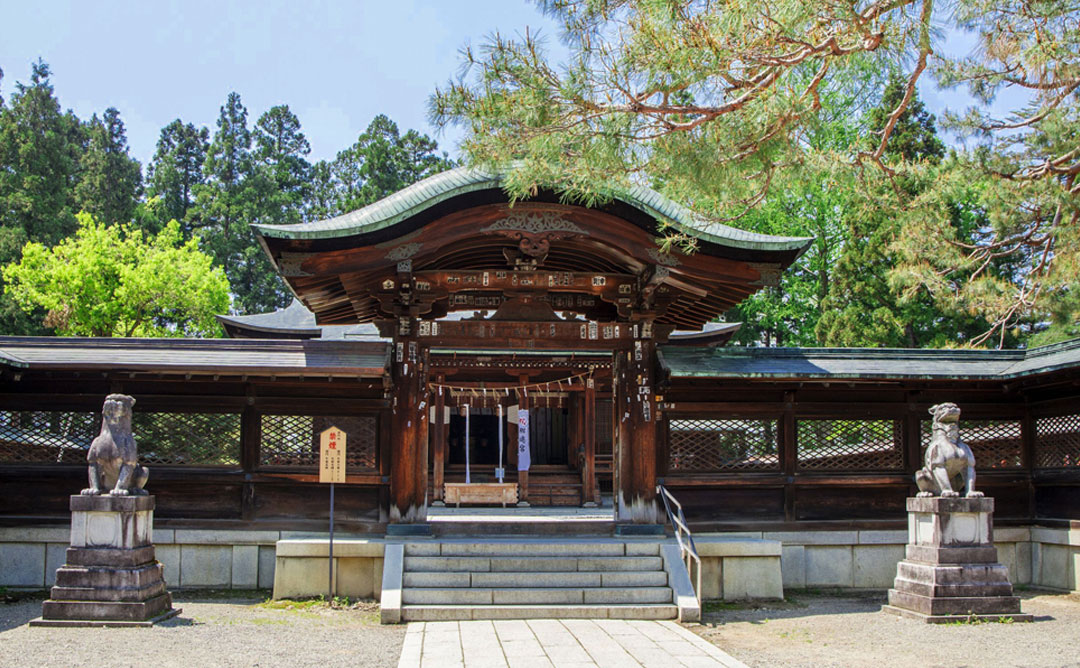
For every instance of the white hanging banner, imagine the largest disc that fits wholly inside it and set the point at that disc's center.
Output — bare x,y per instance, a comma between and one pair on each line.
523,439
468,477
500,472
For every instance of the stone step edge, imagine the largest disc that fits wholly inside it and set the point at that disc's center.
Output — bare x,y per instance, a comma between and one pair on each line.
421,612
548,606
524,554
526,576
538,589
612,561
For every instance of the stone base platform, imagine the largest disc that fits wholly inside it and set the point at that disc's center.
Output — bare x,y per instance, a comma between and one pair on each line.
111,575
951,572
950,619
104,623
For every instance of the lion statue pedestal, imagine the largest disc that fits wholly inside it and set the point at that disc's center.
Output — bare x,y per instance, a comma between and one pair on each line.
111,577
951,571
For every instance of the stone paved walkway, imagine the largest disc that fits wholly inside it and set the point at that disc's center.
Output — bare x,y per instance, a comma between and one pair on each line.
557,643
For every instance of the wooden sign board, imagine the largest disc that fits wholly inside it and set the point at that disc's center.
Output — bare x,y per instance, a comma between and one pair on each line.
332,455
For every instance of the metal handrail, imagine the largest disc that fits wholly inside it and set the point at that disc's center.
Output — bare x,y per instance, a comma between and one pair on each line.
687,549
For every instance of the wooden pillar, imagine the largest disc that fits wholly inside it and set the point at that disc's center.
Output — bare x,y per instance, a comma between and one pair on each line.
408,426
523,476
589,431
623,434
575,440
423,438
789,454
912,441
439,428
1028,437
250,437
638,429
643,364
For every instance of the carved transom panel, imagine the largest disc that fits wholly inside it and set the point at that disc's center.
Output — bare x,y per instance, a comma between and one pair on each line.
665,259
404,252
534,231
534,223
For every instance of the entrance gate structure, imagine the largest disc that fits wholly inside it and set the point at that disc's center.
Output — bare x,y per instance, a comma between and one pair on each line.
586,286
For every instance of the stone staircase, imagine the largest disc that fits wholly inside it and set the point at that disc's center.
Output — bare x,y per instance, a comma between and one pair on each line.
523,579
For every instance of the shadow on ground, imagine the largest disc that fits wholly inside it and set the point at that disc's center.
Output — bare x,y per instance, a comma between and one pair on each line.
798,603
18,608
812,603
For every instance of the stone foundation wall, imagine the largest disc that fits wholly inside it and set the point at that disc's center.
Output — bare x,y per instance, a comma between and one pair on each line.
1038,556
1035,556
1055,558
193,558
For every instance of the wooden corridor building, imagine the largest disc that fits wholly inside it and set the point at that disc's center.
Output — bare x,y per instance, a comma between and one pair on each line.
445,295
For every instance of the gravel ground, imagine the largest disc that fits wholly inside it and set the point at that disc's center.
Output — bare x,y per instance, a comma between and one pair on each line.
822,630
212,630
806,630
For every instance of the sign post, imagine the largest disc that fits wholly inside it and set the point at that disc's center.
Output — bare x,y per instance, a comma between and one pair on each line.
331,470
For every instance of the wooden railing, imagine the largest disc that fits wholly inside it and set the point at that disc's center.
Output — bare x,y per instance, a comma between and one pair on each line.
684,537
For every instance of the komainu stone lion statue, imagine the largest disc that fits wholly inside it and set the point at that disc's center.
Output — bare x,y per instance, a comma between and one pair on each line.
113,464
950,465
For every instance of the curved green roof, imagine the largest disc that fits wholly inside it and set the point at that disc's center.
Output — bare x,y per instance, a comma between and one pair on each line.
438,188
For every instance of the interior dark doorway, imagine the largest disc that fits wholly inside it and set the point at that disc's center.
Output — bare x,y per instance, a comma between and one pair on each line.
547,438
483,440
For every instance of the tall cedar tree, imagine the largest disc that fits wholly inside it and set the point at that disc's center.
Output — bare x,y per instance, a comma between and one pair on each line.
176,170
225,206
380,163
110,180
39,162
281,151
863,308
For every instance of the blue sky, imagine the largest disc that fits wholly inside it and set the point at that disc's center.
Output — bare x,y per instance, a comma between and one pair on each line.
336,64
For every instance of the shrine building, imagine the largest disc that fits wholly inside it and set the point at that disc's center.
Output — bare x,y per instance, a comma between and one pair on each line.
538,354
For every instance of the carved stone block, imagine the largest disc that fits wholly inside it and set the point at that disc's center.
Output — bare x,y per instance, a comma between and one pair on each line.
951,570
111,577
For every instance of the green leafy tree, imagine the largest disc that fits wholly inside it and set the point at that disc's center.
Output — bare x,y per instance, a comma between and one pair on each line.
39,160
812,202
110,180
176,170
117,281
787,315
225,206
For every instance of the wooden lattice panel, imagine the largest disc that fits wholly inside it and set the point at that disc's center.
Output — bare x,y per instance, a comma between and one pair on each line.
704,444
46,436
1057,442
293,440
995,443
203,439
849,445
